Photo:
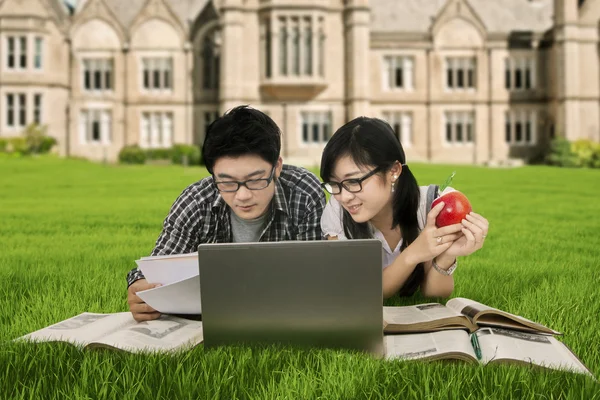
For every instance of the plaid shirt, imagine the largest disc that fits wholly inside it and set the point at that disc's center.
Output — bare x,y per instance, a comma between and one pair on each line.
200,215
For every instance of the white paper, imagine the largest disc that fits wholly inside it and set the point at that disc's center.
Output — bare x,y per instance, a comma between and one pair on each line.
182,297
169,269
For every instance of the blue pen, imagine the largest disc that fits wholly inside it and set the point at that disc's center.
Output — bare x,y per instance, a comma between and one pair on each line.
475,344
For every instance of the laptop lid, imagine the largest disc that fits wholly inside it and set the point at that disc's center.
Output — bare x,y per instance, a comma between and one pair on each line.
299,293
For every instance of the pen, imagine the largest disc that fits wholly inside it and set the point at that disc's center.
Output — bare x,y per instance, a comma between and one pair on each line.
475,344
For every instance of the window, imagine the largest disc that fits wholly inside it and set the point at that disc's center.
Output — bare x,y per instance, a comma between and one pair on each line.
95,126
157,73
23,52
398,72
460,73
98,74
37,108
209,117
520,127
299,42
459,127
519,73
316,126
10,52
39,53
16,52
16,110
156,129
401,122
10,110
211,60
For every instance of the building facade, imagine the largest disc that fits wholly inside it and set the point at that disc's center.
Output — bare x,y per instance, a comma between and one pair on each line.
461,81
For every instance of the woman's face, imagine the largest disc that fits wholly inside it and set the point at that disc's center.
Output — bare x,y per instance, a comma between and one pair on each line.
375,196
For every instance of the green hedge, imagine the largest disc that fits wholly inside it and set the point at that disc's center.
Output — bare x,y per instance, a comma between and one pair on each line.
183,152
132,155
21,145
178,154
580,153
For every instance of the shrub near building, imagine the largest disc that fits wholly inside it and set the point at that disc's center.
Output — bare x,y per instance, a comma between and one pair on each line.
178,154
580,153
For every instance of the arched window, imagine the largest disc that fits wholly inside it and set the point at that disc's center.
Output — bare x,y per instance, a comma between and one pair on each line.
211,59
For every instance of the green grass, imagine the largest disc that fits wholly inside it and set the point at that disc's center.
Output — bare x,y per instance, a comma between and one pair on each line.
70,230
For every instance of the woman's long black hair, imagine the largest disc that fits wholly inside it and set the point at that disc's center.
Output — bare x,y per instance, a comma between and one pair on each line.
372,142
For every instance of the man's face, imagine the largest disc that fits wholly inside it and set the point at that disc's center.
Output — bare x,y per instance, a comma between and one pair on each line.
245,203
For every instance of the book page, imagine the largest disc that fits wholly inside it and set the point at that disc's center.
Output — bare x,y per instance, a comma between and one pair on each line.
493,317
169,269
502,344
467,307
418,313
81,329
428,345
164,334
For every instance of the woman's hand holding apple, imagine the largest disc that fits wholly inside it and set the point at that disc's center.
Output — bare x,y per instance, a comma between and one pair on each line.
457,209
433,241
474,230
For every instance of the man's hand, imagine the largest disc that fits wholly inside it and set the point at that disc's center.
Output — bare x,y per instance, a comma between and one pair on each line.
140,310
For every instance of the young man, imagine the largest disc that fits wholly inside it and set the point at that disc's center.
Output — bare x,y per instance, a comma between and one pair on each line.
250,197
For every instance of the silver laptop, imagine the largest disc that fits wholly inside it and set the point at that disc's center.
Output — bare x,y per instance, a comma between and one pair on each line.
300,293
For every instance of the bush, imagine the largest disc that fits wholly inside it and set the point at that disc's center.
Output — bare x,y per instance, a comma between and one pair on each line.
132,155
159,154
561,154
18,145
3,145
587,153
46,144
182,151
581,153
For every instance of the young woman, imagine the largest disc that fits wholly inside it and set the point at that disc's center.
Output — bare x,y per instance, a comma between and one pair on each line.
374,195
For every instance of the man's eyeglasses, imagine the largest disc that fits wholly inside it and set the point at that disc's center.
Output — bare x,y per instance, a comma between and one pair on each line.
252,184
351,185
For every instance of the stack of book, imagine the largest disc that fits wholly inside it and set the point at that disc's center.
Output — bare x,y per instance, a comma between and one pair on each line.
467,330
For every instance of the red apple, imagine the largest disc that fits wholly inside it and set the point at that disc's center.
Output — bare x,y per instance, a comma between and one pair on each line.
456,208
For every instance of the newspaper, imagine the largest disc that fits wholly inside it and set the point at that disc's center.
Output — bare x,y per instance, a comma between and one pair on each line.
435,345
121,331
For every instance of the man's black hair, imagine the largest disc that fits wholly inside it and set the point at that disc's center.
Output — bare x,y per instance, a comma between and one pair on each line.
243,130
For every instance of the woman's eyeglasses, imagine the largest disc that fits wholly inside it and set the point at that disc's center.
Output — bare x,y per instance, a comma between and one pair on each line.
353,185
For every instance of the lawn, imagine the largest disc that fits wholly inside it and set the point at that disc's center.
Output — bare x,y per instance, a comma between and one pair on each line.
70,230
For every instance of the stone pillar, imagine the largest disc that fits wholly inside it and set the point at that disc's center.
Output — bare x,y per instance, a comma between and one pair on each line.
232,54
357,36
567,73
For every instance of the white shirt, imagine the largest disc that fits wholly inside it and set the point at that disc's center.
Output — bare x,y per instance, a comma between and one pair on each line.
332,224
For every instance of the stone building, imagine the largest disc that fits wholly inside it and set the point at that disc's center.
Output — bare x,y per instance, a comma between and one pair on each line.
461,81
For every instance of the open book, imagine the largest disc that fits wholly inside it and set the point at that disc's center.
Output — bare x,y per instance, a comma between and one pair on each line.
180,290
121,331
458,313
485,346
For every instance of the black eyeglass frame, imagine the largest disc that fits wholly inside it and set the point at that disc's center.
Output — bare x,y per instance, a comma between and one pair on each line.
341,184
245,183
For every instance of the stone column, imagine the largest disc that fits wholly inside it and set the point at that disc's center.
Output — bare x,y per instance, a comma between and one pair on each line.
567,73
232,54
357,36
